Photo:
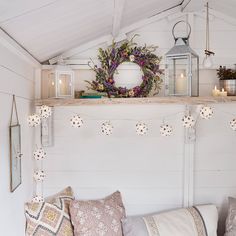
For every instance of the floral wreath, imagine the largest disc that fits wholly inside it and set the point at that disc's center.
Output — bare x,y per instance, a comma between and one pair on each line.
128,51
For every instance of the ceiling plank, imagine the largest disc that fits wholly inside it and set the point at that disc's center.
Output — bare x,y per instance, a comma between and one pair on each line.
150,20
122,35
118,12
17,49
222,16
81,48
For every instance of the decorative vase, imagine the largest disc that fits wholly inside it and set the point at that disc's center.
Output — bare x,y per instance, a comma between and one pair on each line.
229,85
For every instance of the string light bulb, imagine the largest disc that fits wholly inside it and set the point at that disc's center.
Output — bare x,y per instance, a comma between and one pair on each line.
206,112
188,121
233,124
38,199
45,111
39,154
76,121
34,120
141,128
107,128
39,175
166,130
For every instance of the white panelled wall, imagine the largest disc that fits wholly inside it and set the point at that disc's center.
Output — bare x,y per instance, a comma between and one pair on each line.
16,77
148,170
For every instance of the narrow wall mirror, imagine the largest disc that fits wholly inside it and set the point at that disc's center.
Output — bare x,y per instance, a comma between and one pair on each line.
15,149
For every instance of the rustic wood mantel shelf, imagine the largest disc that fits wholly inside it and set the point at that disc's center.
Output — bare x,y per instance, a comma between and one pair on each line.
149,100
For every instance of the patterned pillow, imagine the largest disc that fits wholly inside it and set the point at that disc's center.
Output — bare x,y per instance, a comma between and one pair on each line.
98,217
50,218
230,229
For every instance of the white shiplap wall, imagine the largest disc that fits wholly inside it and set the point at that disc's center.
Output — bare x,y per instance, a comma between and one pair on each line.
148,170
149,176
16,77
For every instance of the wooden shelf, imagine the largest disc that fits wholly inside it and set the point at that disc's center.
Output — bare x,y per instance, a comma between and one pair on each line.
149,100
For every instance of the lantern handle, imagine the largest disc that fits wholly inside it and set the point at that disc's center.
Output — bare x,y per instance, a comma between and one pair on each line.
173,30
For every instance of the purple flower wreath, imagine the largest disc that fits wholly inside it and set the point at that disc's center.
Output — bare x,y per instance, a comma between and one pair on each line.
112,57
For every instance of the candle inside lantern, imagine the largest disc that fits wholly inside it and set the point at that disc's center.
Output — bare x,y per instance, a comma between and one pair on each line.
181,85
223,93
215,92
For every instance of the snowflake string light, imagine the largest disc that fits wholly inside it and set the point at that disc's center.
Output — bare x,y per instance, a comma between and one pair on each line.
45,111
141,128
233,124
76,121
39,154
166,130
34,120
188,121
206,112
38,199
107,128
39,175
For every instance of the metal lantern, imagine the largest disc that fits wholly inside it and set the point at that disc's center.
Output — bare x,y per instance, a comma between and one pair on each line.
182,68
61,82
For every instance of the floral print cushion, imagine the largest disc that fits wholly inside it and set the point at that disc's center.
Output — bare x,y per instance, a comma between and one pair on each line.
98,217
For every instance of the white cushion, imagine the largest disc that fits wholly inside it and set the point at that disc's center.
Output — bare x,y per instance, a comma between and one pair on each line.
178,222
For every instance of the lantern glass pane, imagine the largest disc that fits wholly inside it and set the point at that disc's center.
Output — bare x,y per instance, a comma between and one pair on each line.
64,84
195,76
51,85
178,71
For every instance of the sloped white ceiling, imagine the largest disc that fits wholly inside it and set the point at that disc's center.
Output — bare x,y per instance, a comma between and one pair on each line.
136,10
50,29
227,7
47,28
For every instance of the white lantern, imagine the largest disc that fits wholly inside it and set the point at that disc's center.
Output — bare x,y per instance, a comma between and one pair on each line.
107,128
166,130
61,82
141,128
233,124
182,67
206,112
39,154
188,121
45,111
76,121
34,120
38,199
39,175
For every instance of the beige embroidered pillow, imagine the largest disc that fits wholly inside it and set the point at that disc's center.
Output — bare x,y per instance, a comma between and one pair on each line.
50,218
98,217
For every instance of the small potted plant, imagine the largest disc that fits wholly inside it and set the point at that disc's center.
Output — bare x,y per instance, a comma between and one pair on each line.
227,80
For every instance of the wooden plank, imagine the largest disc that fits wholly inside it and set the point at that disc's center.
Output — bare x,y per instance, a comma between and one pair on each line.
133,101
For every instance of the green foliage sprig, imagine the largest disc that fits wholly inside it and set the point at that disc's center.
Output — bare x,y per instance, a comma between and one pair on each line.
226,74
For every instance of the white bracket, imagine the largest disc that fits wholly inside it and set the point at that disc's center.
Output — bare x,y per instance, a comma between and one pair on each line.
189,155
47,131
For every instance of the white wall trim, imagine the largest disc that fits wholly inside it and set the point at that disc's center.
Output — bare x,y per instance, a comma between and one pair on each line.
14,47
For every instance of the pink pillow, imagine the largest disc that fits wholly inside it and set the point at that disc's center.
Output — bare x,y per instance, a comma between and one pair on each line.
98,217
